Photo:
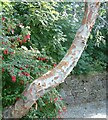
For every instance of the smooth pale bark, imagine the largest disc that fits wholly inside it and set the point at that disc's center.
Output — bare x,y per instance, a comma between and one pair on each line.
57,75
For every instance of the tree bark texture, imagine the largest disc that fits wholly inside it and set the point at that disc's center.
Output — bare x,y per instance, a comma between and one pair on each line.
57,75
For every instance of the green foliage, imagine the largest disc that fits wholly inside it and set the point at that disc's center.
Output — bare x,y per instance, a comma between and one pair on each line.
42,18
23,60
95,57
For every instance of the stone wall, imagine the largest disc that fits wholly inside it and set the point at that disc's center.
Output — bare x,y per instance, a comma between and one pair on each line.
84,88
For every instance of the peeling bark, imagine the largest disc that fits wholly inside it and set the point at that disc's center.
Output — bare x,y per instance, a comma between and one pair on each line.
57,75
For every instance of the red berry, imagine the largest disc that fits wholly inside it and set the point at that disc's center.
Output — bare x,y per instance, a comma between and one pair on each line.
6,52
3,19
25,73
3,70
3,43
54,64
18,39
59,111
39,58
12,53
13,78
59,118
42,59
55,99
27,36
17,98
21,68
26,66
24,41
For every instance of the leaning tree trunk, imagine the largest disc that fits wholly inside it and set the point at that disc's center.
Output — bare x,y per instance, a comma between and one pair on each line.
57,75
